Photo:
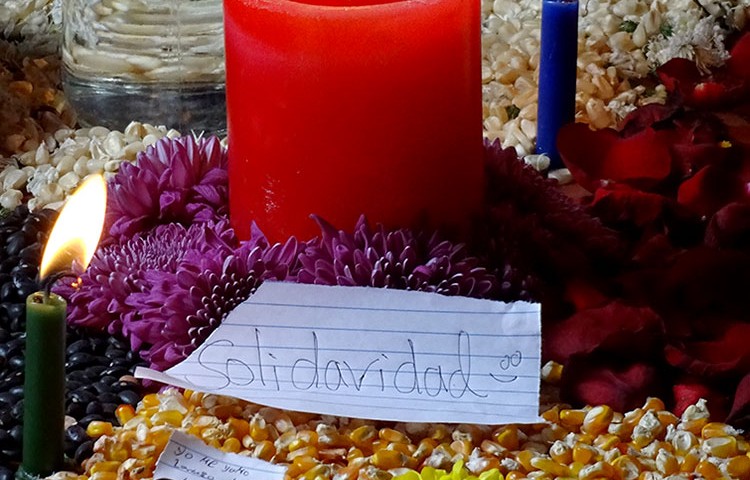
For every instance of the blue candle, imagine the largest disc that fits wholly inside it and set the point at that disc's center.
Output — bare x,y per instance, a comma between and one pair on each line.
557,74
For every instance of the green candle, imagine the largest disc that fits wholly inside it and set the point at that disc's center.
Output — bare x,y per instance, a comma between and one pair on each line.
73,239
44,387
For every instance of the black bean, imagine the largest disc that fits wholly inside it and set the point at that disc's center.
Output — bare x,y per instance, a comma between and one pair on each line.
79,360
16,432
17,411
108,398
77,346
130,397
76,433
94,407
82,396
17,363
84,451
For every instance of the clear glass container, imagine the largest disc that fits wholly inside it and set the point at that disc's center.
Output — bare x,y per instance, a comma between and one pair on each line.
154,61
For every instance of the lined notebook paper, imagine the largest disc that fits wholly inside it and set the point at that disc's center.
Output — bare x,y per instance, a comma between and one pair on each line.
187,458
373,353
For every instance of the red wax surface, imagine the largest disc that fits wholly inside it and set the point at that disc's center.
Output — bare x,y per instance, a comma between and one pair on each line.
339,108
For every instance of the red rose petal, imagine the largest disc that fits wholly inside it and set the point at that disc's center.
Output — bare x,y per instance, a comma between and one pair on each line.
615,327
728,353
730,227
595,158
739,61
710,189
621,389
679,75
740,412
620,203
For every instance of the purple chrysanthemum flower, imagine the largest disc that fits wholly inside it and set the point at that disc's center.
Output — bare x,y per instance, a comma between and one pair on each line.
186,305
182,180
398,259
101,298
537,236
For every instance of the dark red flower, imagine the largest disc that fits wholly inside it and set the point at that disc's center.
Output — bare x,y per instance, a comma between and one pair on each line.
730,227
617,329
727,352
593,382
687,392
739,60
596,158
683,78
740,413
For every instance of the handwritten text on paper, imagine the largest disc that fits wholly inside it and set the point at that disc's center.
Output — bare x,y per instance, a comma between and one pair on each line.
373,353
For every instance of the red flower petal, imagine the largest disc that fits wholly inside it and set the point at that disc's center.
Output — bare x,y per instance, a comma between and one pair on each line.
679,75
728,353
730,227
621,203
621,389
739,61
740,412
710,189
598,157
615,327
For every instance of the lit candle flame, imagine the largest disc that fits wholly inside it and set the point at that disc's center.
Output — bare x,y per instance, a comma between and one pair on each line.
77,230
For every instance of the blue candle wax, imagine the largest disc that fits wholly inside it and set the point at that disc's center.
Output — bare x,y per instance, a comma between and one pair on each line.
557,74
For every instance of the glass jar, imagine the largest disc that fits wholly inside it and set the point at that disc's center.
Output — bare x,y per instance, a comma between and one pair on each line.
154,61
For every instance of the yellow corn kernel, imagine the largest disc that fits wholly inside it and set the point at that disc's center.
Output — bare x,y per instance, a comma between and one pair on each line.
550,466
142,453
607,442
597,420
110,466
515,475
507,437
300,465
683,441
354,453
147,412
575,468
524,458
167,417
124,412
150,400
653,403
739,467
561,453
666,463
265,450
104,476
462,447
572,418
425,448
231,445
318,472
387,459
392,436
96,429
259,431
308,451
118,451
407,449
363,435
716,429
627,467
597,470
239,427
708,470
583,453
334,440
694,426
690,461
722,447
160,436
552,415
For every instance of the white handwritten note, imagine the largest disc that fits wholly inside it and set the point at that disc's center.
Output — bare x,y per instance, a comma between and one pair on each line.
373,353
187,458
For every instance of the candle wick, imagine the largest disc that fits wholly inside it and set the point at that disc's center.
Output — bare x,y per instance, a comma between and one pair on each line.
48,281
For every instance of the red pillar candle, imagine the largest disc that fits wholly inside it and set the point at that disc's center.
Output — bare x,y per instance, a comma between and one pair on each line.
344,107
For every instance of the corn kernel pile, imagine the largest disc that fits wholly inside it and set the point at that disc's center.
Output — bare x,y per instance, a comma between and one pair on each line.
590,443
